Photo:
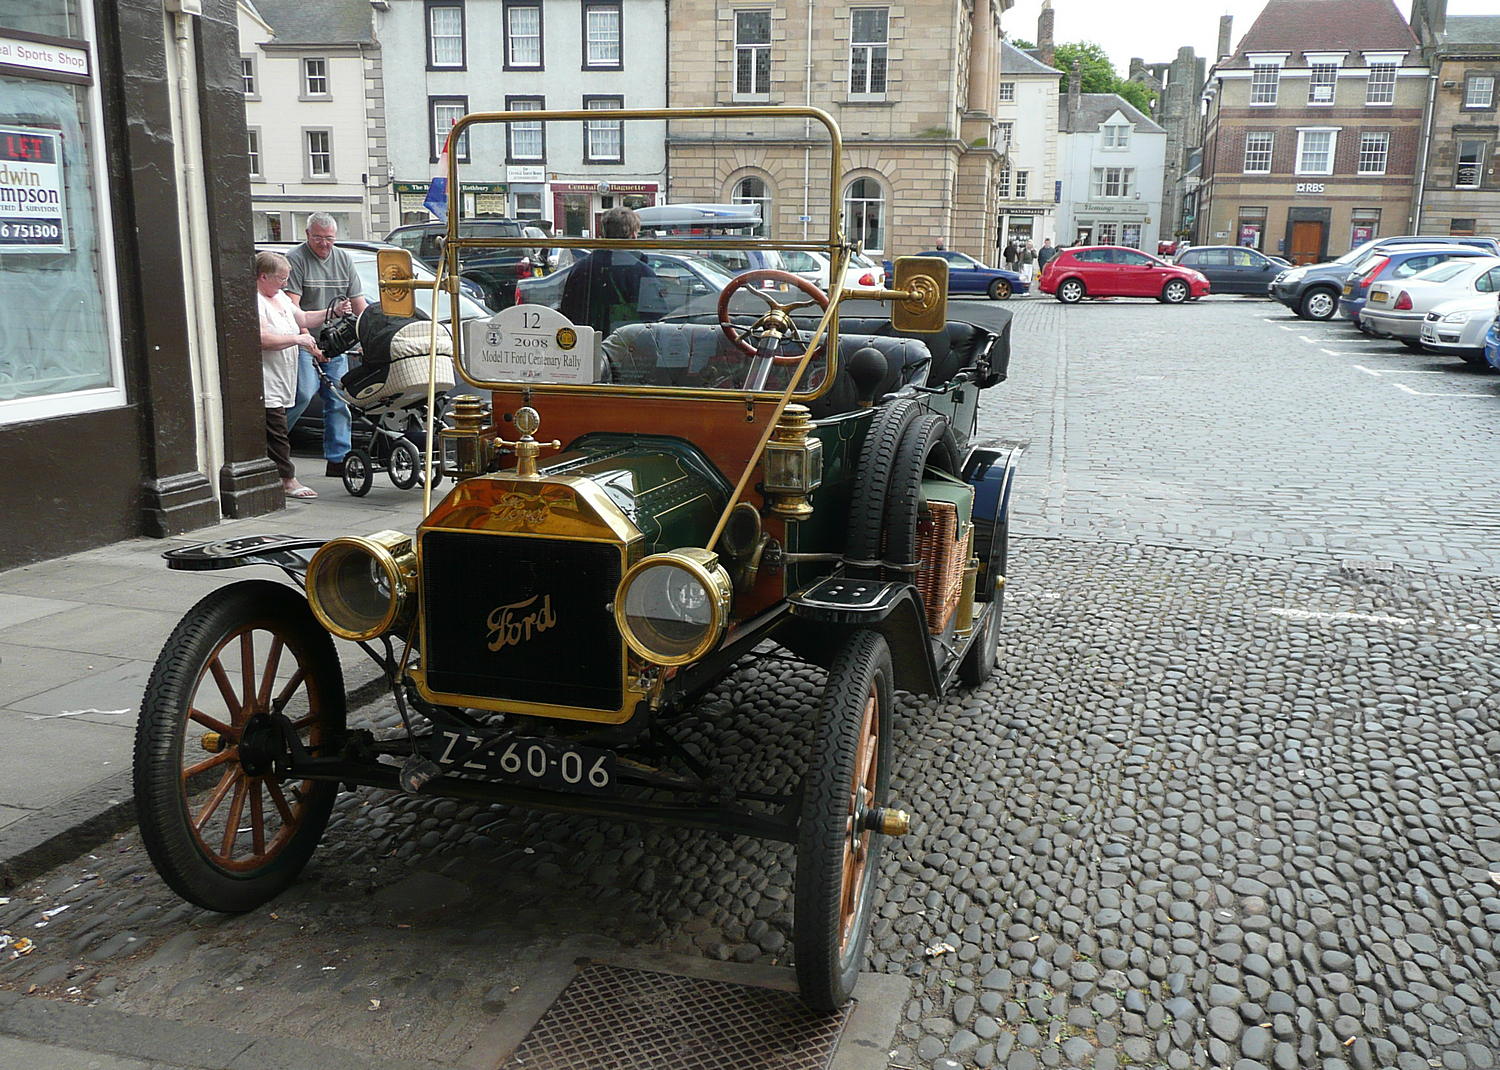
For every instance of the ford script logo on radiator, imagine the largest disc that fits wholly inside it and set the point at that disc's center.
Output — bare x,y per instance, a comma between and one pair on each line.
517,622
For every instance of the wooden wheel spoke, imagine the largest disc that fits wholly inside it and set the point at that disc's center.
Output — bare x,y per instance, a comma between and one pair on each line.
273,662
232,824
277,798
257,818
226,755
213,724
289,690
221,789
247,664
226,688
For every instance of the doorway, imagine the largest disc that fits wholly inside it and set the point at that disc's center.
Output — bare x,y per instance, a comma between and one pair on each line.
1308,241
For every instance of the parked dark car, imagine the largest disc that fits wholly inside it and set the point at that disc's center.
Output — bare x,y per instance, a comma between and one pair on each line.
969,276
1393,265
1118,271
1312,291
1231,269
494,271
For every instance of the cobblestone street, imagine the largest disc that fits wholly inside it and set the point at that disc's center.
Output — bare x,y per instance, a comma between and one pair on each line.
1228,800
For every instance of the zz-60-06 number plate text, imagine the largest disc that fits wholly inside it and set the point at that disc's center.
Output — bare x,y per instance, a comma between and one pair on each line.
542,763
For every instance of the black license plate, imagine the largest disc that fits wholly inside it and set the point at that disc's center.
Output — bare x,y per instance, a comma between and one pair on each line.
540,763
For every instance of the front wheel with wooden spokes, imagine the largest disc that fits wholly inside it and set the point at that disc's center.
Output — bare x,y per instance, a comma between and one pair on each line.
245,670
838,851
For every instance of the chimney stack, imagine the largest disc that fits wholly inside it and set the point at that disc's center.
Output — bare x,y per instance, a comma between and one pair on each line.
1226,32
1044,33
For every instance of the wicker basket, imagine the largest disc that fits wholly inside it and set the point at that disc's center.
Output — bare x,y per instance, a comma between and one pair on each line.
942,553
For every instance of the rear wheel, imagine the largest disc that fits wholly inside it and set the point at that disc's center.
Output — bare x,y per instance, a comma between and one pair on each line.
1070,291
1000,290
838,858
1175,292
406,465
248,667
1319,304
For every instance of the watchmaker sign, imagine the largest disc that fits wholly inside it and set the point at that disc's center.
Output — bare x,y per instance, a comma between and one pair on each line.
32,219
529,344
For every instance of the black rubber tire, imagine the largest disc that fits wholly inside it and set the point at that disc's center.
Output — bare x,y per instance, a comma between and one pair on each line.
1175,292
1071,291
828,962
359,473
1319,303
405,465
928,440
1414,344
1000,290
979,659
182,690
871,480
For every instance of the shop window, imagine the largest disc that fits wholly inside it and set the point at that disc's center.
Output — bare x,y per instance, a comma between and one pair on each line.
1109,234
57,275
1130,234
1364,226
528,206
864,213
1251,231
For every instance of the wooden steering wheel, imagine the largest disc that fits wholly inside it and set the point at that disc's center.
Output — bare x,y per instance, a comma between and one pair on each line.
777,318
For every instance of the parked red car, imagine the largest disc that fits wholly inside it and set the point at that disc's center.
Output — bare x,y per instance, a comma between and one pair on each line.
1117,271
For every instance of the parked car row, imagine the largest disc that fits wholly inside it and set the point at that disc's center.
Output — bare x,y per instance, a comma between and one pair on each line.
1313,290
1447,307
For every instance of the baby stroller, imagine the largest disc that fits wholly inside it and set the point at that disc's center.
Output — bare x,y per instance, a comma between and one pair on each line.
387,394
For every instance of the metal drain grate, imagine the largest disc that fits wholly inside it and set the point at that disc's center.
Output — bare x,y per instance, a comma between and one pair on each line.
612,1017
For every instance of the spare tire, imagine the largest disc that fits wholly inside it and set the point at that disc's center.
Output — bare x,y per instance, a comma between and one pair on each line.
872,479
928,441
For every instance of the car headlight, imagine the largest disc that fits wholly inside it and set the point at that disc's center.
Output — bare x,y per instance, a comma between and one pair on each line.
672,608
362,588
1459,317
1295,275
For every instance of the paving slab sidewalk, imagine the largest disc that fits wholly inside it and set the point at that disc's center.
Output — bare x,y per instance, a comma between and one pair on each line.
78,637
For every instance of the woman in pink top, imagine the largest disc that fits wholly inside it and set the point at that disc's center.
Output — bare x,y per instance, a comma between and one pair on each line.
283,327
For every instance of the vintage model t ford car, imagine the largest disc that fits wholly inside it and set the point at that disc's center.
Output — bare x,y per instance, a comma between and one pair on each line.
758,475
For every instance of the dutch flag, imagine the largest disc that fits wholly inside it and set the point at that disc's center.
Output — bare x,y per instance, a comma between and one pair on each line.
437,193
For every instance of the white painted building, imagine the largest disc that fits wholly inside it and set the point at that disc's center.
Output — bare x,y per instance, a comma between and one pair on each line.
1026,131
1113,161
443,58
307,71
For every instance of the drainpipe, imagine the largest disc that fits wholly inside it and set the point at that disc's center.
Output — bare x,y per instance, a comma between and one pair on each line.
203,350
812,11
1427,117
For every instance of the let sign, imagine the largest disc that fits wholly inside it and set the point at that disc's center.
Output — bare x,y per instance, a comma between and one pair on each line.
530,344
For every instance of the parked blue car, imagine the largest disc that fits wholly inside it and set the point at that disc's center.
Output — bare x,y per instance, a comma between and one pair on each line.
968,276
1492,345
1391,265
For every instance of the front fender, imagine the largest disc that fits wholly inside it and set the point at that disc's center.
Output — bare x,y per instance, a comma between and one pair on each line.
285,552
821,615
991,470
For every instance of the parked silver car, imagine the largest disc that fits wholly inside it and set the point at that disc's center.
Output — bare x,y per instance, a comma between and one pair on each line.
1457,327
1397,308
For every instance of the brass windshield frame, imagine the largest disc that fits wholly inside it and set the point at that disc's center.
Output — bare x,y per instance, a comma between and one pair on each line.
835,247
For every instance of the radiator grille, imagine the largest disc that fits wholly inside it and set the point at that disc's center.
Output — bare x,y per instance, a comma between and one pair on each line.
522,619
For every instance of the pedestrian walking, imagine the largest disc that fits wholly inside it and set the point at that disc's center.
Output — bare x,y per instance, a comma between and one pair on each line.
1045,254
1027,257
1009,254
283,330
323,278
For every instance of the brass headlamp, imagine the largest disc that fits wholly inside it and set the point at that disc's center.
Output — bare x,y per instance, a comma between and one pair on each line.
363,588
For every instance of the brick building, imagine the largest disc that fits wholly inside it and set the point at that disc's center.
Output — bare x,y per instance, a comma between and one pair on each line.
1313,130
1458,191
915,90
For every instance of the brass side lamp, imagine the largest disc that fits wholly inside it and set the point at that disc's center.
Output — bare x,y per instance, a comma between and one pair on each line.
793,464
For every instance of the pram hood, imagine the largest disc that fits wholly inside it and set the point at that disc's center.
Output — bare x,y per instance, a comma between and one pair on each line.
392,372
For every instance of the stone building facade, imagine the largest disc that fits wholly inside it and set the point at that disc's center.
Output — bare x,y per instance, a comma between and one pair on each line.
914,87
1313,130
1112,162
1458,191
1178,110
1027,183
313,116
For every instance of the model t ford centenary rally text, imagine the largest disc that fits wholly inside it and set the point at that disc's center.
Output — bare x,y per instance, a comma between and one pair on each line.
652,486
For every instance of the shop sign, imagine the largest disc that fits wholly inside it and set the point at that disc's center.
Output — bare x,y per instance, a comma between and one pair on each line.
1309,187
529,344
32,219
529,174
67,62
604,187
484,187
411,187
